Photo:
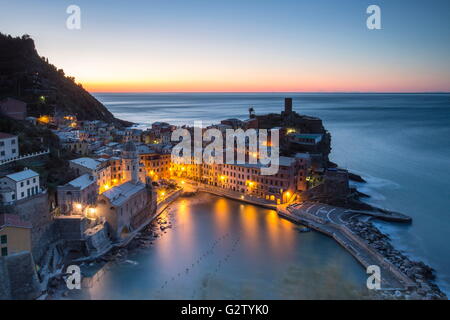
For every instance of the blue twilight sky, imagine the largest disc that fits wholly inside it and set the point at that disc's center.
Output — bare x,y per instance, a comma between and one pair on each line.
246,45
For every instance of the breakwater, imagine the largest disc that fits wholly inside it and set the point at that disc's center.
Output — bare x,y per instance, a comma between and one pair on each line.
368,247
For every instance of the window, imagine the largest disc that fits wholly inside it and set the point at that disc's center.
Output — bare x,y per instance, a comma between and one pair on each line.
4,239
21,184
13,141
4,252
2,153
22,194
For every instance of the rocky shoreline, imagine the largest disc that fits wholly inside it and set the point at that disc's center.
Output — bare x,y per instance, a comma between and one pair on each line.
57,289
417,271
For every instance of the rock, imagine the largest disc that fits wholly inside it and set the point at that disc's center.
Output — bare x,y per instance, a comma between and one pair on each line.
414,296
53,283
421,292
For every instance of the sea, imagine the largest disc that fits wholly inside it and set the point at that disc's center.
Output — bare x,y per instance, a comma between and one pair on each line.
220,248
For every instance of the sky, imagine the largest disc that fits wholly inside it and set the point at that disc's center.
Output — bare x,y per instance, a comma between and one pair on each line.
241,46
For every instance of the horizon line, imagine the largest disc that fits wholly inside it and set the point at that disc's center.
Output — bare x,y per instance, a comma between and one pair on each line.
294,92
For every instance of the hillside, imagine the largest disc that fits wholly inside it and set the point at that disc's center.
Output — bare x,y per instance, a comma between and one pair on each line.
47,90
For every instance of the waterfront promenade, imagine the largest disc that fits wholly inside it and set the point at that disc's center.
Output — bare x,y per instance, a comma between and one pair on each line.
332,221
193,186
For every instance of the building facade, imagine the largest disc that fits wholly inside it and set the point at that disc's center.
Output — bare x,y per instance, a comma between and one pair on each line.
77,196
15,235
22,184
9,146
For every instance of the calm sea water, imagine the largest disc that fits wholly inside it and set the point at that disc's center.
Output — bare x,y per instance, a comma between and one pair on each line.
400,143
223,249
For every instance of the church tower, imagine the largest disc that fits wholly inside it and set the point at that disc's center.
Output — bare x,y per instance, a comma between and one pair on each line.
130,162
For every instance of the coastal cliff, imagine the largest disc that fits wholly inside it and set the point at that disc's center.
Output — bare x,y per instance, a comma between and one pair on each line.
46,89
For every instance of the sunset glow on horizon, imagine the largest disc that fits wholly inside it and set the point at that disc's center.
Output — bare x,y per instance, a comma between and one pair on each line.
241,46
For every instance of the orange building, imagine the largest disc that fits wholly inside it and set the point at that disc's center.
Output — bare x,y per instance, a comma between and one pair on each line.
15,235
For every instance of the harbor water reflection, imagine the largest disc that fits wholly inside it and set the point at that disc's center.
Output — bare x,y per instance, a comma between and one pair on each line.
223,249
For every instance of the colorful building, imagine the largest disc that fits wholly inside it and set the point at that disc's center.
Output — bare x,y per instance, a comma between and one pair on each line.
15,235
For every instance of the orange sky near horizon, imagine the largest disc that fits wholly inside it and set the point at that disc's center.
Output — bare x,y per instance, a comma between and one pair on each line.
241,46
143,87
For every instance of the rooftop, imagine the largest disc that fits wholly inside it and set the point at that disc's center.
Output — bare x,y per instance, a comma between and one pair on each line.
120,194
4,135
86,162
308,135
82,181
22,175
283,161
13,220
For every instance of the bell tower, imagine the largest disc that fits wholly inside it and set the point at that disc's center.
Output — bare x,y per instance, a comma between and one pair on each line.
130,162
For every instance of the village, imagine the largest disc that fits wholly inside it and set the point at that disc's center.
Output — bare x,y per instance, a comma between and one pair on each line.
122,175
112,182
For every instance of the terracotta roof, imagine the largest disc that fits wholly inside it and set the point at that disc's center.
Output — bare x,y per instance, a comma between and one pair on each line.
13,220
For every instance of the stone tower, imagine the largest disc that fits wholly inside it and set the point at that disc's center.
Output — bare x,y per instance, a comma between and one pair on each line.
287,106
251,113
130,162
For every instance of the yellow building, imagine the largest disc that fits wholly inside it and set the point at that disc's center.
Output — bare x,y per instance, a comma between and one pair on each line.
15,235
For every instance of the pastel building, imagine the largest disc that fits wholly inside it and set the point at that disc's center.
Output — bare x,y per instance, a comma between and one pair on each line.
247,179
156,165
100,169
15,235
126,206
78,195
19,185
9,146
